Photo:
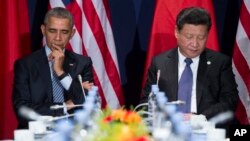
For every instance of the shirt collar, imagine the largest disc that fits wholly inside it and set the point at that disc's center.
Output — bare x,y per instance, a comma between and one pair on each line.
182,57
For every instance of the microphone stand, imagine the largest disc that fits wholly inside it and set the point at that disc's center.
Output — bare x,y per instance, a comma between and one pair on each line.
80,80
56,107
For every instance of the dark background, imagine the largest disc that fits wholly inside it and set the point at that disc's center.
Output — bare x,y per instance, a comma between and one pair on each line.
131,23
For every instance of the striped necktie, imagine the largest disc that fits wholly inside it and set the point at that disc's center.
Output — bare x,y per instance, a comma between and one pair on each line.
57,89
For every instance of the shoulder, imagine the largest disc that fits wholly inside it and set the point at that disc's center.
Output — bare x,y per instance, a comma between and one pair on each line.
216,55
78,57
218,60
32,58
172,53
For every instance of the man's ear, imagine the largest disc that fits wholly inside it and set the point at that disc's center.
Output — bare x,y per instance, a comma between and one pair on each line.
176,32
73,32
43,29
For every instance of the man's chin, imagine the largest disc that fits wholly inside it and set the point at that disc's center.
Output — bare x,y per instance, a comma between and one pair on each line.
193,54
61,47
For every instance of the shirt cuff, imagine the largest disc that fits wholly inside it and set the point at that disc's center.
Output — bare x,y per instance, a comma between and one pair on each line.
66,82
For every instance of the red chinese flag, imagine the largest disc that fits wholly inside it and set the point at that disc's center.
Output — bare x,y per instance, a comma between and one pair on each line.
15,43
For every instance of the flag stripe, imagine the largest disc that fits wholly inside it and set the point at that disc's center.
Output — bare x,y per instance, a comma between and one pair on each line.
106,6
97,83
242,44
244,19
242,67
244,97
76,41
241,62
107,30
76,11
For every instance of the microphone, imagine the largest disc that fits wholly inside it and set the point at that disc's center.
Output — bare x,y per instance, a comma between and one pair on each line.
80,80
222,117
62,117
178,102
32,115
158,76
56,107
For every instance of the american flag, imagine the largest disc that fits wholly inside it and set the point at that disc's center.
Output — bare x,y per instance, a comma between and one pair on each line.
94,38
241,62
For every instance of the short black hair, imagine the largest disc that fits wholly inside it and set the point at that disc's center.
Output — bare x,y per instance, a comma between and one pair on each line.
195,16
59,12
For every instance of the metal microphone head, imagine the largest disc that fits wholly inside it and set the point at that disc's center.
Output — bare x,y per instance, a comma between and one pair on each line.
80,78
178,102
62,117
55,107
158,76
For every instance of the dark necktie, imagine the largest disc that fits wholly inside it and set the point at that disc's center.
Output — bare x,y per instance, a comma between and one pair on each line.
57,89
185,87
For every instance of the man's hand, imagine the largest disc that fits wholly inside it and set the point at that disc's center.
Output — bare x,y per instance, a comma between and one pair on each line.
57,55
87,85
70,104
187,116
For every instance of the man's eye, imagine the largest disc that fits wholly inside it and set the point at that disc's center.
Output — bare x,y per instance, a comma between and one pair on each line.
201,37
52,31
189,36
65,31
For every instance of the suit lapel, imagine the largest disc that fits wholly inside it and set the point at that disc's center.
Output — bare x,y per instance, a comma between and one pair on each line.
172,70
201,75
44,70
70,63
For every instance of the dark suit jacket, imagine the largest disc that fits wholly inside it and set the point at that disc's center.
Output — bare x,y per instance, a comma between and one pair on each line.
216,89
33,85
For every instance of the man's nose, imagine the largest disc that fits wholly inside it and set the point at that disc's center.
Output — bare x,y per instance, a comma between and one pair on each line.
58,36
195,42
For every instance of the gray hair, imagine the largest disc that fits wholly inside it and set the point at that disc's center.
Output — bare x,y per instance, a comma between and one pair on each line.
59,12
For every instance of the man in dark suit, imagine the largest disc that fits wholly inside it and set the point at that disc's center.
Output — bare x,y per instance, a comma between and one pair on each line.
49,76
213,88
